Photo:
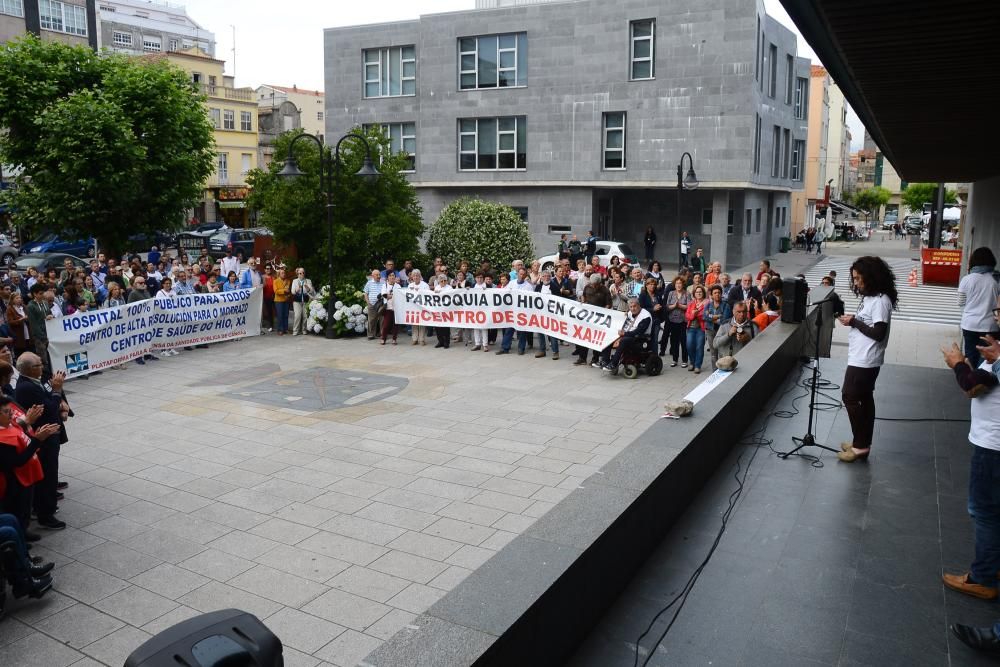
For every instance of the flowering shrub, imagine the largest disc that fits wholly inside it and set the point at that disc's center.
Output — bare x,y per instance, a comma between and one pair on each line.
349,316
478,230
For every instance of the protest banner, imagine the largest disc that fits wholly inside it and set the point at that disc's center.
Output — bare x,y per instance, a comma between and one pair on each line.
590,326
96,339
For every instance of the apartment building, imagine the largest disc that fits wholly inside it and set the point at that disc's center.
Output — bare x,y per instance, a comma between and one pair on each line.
150,26
69,21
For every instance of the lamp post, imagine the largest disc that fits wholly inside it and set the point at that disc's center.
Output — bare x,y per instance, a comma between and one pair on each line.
329,178
689,182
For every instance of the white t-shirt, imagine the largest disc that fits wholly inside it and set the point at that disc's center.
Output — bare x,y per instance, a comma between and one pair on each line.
862,351
985,412
981,291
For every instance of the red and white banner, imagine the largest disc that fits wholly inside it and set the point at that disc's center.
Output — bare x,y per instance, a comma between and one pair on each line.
572,321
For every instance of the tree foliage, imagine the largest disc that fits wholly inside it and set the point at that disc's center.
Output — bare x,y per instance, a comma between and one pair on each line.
917,194
109,146
372,221
870,200
478,230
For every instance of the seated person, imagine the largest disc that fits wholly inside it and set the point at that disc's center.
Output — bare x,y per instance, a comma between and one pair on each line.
633,332
27,579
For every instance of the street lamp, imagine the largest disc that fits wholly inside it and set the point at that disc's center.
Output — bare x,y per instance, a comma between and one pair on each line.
331,168
689,182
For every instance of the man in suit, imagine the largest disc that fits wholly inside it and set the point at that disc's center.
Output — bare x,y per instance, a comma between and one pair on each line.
746,292
30,391
38,311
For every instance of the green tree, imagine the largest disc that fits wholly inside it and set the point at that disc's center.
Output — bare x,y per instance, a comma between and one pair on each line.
917,194
871,200
372,221
109,146
478,230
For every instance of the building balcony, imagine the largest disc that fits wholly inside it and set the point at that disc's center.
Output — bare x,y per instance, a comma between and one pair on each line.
227,92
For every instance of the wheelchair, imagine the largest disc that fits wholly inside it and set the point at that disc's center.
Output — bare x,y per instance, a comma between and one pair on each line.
644,358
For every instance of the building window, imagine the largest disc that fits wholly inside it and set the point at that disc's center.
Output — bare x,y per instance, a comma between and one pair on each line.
801,97
772,55
789,78
402,139
706,221
493,61
222,168
246,121
756,53
319,115
390,71
521,211
245,160
228,120
151,44
748,221
62,17
757,223
11,7
491,143
560,229
731,222
643,49
614,140
173,44
776,151
786,148
798,151
216,116
756,145
122,39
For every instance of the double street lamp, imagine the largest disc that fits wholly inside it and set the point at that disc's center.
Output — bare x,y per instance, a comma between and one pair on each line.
689,182
329,178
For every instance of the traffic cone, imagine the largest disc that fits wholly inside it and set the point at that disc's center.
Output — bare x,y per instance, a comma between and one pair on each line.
913,278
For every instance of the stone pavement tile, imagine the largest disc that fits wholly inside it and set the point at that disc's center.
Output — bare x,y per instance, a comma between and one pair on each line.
339,502
428,546
571,482
78,625
116,647
12,629
244,545
450,578
207,488
454,475
478,514
388,478
400,465
79,515
417,598
411,500
498,540
363,529
534,476
258,501
538,508
170,619
168,476
349,649
141,488
85,584
302,563
305,514
116,529
506,445
408,566
390,624
396,516
37,650
356,487
446,490
165,545
225,457
157,456
230,515
136,606
335,469
501,501
302,631
342,548
87,662
242,475
459,531
69,541
515,523
192,528
551,495
286,532
278,586
543,464
511,486
182,501
199,467
169,580
214,596
31,611
470,557
533,436
293,491
346,609
215,564
145,512
428,456
368,583
101,477
574,445
480,466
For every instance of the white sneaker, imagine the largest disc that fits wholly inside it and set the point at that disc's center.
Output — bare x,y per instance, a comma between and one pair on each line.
295,333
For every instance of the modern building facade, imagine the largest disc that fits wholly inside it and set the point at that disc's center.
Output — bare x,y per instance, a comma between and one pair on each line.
805,202
580,111
311,105
150,26
69,21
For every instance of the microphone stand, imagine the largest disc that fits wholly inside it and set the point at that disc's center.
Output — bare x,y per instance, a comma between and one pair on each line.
809,439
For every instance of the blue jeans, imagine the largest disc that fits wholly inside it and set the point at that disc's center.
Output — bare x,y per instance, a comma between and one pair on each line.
553,343
984,508
281,310
696,346
508,338
10,531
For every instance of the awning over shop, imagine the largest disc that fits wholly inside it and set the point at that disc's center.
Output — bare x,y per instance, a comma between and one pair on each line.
232,204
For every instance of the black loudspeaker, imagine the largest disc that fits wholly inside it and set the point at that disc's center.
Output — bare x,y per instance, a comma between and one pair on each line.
793,300
225,638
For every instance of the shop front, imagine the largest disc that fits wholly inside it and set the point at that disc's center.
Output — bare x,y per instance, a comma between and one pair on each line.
230,203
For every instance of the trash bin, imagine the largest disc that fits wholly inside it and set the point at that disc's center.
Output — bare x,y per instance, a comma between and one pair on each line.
784,244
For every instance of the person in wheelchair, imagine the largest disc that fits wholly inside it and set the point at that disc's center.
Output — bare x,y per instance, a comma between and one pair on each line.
630,339
16,568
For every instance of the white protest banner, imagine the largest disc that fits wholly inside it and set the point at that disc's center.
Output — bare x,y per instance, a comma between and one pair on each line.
96,339
590,326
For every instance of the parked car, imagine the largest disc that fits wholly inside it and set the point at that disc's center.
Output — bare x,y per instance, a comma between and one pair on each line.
144,241
240,240
207,227
890,220
912,224
8,255
43,261
605,250
49,243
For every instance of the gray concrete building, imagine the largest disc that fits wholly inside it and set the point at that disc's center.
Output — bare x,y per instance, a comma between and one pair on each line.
580,111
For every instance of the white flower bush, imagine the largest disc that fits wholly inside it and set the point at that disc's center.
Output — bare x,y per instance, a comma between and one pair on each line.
348,315
475,230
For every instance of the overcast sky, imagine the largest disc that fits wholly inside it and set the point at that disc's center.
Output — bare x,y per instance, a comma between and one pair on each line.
282,42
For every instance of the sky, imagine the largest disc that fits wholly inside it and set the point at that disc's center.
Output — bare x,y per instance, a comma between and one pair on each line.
282,43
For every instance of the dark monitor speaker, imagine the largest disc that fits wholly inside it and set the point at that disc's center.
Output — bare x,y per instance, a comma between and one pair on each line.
225,638
793,300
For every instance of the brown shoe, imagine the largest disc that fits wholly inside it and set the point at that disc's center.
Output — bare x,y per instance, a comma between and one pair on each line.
962,584
539,355
555,357
845,446
850,456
